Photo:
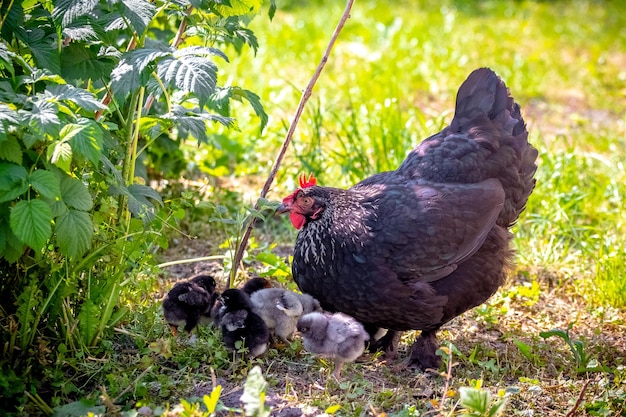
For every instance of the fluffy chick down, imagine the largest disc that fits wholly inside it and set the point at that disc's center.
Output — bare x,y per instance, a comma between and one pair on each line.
337,336
189,303
281,309
239,323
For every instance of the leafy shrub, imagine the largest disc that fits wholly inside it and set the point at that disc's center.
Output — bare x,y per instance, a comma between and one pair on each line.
92,96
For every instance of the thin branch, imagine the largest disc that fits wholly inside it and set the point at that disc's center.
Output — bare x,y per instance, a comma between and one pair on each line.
303,100
572,412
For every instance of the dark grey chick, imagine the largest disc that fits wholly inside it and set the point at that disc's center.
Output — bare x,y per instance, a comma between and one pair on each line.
280,309
189,302
250,286
337,336
239,323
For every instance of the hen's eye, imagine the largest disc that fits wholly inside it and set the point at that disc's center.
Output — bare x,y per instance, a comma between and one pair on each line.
307,200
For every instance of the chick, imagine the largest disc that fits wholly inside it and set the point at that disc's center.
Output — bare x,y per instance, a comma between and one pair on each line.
239,323
252,285
337,336
280,309
189,302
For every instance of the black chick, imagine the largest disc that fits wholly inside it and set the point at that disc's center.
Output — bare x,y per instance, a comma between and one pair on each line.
337,336
239,323
280,309
251,286
189,303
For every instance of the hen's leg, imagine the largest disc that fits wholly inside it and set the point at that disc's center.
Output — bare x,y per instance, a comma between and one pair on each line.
387,344
423,351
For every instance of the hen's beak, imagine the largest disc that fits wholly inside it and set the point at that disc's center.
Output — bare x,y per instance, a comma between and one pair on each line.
283,208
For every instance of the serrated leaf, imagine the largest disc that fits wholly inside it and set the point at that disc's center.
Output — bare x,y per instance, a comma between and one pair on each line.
141,58
8,117
125,80
10,150
40,45
74,232
43,117
27,303
140,200
190,73
497,408
255,102
82,98
85,138
88,319
5,59
75,194
138,12
13,181
238,7
60,154
78,59
30,221
200,51
68,10
45,183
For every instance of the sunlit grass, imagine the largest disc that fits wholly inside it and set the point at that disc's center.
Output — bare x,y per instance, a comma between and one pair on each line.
391,81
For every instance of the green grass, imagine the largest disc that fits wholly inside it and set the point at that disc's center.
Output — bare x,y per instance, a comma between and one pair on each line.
391,80
389,83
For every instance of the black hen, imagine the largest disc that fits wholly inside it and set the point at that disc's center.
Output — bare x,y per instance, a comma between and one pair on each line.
189,303
415,247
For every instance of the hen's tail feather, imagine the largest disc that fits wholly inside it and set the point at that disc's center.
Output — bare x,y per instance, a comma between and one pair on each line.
487,138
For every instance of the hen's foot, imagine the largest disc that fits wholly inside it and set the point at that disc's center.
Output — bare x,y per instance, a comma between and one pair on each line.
388,344
423,352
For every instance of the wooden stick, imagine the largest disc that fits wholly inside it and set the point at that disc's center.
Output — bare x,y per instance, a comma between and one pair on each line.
572,412
281,154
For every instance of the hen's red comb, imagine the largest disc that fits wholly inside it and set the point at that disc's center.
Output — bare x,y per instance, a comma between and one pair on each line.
304,182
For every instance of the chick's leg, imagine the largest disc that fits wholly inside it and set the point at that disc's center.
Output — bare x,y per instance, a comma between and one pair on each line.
337,371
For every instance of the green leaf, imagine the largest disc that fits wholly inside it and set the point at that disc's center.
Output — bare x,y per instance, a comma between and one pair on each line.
141,58
190,73
69,10
78,59
75,194
60,154
45,183
254,101
125,79
88,319
497,408
30,221
28,302
43,117
10,150
238,7
139,201
46,57
85,137
138,12
82,98
524,349
10,246
8,117
13,181
474,399
74,232
253,396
